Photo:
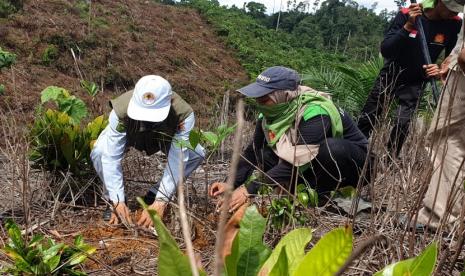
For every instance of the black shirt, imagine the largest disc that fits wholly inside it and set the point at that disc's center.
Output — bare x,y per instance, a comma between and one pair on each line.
402,49
313,131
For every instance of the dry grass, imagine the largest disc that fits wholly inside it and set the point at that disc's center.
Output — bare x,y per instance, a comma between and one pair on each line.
32,197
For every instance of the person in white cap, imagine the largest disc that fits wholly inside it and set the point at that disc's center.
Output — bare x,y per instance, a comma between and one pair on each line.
150,118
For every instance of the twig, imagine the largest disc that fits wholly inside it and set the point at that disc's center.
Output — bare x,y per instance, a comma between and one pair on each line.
184,224
34,227
229,187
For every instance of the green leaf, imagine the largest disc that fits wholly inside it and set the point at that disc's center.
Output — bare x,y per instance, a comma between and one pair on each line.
295,243
303,198
78,241
194,138
81,255
2,89
95,127
15,235
346,192
211,138
90,87
421,265
424,264
248,252
6,59
52,251
12,253
280,268
35,239
313,197
53,262
53,93
328,255
171,260
74,107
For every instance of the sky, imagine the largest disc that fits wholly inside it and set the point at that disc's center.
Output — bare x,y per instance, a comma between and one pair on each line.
382,4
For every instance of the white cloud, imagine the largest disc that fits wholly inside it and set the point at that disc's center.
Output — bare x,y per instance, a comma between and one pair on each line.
274,4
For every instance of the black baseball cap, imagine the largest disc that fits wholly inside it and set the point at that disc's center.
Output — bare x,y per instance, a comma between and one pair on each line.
273,78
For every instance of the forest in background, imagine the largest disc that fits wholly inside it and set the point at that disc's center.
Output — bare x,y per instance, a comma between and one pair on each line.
303,37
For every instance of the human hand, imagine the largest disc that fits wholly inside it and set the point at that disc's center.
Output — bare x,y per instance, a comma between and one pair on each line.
216,189
432,70
444,68
120,211
461,60
145,220
238,198
414,11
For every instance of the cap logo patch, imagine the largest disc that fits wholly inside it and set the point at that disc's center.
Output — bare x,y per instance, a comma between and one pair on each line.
263,78
148,98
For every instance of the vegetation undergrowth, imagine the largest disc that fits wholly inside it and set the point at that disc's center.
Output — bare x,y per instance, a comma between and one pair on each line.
250,256
60,140
41,256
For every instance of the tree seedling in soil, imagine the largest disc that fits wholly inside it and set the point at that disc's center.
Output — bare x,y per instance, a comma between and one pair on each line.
212,141
90,87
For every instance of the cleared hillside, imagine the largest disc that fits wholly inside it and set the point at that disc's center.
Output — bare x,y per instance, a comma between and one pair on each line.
113,43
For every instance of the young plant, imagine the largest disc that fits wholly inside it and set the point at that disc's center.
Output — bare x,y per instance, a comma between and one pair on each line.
212,141
41,256
59,141
249,255
285,210
171,260
6,59
90,87
248,252
74,107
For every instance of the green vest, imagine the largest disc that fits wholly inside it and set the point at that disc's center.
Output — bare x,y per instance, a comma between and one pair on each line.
140,134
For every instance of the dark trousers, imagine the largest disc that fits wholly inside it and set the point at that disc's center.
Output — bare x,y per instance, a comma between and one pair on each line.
339,163
407,96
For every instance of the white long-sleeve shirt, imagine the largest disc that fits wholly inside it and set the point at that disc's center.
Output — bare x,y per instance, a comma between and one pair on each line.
109,150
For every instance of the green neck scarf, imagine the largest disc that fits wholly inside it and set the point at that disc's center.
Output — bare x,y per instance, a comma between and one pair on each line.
280,117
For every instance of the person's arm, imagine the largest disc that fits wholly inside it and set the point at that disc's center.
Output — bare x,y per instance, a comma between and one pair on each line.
314,130
113,144
396,36
453,58
246,164
176,156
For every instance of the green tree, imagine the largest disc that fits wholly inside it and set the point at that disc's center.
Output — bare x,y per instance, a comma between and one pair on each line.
256,10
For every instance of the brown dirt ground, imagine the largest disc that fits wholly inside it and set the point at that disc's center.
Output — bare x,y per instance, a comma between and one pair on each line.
115,43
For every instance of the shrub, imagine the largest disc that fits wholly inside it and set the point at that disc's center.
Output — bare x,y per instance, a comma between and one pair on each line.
8,7
58,139
50,54
41,256
6,59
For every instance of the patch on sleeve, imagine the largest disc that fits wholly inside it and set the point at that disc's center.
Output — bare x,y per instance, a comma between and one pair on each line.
458,18
404,10
413,34
439,38
121,127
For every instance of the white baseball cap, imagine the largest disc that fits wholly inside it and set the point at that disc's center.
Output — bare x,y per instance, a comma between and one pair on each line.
151,100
